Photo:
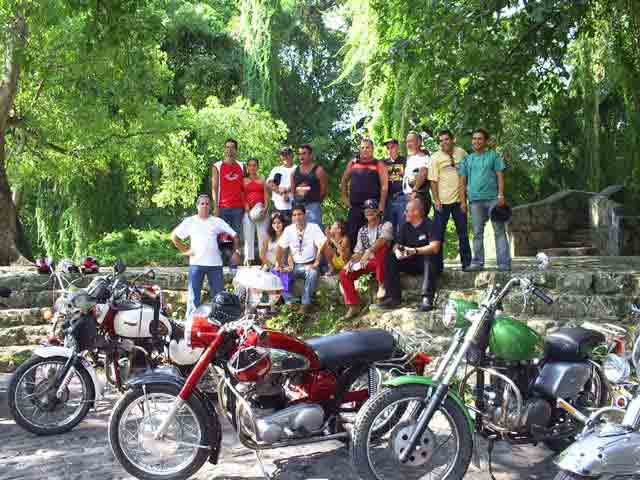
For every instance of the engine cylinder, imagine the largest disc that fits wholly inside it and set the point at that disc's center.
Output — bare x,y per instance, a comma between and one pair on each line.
295,421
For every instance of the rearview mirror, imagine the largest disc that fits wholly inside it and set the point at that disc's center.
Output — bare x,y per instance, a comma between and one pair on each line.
543,261
150,273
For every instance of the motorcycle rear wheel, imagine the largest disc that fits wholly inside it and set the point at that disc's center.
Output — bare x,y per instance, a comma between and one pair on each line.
366,442
33,402
135,448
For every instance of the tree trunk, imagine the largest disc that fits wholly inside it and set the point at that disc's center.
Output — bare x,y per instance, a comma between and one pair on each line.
15,43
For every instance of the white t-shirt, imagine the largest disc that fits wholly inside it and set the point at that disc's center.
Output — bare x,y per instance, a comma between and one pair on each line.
304,245
414,162
204,239
278,200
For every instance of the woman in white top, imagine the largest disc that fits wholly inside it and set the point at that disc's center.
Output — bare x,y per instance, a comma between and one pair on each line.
269,248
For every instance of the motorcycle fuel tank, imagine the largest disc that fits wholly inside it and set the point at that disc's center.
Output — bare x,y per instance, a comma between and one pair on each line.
136,323
299,351
513,340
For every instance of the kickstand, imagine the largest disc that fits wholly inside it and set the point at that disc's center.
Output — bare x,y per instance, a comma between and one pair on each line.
261,465
490,443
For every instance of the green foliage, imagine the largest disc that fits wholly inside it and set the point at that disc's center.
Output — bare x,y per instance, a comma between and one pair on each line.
137,248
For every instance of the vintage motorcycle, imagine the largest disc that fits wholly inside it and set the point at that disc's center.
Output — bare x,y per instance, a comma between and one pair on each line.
607,448
54,390
516,386
276,391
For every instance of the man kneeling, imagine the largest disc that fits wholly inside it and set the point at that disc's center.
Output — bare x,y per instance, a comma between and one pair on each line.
418,243
368,256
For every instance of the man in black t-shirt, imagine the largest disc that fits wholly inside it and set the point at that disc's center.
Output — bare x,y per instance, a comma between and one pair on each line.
417,246
396,199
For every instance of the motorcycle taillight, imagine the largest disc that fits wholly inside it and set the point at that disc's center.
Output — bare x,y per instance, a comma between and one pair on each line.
199,330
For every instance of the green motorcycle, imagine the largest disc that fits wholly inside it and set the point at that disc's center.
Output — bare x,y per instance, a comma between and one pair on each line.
499,379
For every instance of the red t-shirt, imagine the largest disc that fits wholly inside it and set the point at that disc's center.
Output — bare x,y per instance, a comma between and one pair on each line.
230,185
254,191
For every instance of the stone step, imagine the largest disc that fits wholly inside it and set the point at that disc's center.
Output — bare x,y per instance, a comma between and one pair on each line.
30,299
575,243
570,251
23,335
12,357
24,316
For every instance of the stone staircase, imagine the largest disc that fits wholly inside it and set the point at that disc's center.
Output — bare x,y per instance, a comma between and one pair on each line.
584,288
575,243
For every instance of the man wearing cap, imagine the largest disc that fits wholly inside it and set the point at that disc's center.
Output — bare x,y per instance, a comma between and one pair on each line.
396,199
279,183
446,185
417,245
482,173
305,240
203,252
368,256
364,178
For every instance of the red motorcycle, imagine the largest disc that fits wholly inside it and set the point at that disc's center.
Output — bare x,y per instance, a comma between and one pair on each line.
275,389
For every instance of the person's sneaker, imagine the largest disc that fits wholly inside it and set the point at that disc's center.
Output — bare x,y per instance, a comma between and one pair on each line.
382,293
474,267
389,303
426,305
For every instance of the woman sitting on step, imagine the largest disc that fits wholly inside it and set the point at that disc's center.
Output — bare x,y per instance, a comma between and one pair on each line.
268,250
368,257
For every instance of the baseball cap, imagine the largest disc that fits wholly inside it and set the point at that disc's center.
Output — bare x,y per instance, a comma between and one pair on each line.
391,140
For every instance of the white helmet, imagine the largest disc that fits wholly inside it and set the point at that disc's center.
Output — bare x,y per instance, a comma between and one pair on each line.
257,212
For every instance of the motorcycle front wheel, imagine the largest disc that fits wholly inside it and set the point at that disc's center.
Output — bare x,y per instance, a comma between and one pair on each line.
443,452
178,454
33,401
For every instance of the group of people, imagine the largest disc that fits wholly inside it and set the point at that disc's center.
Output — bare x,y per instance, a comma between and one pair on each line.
387,230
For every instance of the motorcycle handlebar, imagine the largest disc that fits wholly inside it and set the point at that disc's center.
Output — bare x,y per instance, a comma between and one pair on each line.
542,296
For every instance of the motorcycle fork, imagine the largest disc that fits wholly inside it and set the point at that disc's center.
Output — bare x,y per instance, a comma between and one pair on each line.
190,384
63,377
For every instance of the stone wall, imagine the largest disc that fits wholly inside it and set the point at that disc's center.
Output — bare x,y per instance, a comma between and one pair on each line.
613,230
543,224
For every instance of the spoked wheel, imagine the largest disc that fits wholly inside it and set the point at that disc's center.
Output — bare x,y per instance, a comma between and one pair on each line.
33,399
178,454
443,451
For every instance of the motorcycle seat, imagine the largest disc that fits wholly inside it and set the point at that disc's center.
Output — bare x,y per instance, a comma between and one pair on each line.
350,348
572,343
125,305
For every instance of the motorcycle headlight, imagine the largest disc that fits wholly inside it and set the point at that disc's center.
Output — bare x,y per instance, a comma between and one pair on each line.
616,369
449,314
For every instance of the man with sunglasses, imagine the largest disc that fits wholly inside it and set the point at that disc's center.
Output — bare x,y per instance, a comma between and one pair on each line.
305,240
368,256
446,186
203,252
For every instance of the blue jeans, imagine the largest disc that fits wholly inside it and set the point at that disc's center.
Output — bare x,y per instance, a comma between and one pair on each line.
479,215
394,212
310,276
233,216
314,213
460,220
196,277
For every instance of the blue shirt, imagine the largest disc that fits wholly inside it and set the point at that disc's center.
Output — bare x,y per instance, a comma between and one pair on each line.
480,170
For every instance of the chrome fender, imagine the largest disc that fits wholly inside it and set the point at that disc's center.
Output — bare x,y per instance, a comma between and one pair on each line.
52,351
612,450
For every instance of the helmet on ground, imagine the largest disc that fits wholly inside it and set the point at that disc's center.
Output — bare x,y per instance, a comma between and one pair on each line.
67,266
225,307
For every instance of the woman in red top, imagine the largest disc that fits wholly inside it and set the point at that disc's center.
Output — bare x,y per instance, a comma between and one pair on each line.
256,203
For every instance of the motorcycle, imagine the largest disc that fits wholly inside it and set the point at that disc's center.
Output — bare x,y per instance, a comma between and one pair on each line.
54,390
276,391
606,447
516,386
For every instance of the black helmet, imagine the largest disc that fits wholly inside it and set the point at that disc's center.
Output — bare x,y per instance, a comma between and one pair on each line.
500,214
225,307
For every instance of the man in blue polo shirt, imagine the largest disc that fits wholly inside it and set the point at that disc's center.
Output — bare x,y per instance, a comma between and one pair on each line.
482,173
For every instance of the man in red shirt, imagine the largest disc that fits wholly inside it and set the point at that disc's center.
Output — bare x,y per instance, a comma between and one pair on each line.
227,187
